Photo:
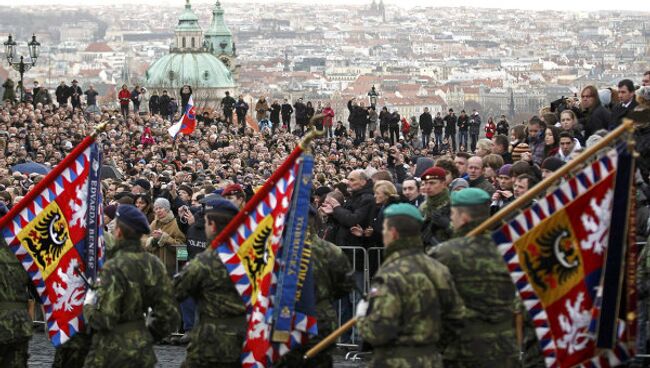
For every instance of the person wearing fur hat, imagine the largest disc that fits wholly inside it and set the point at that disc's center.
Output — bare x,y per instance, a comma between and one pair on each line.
165,235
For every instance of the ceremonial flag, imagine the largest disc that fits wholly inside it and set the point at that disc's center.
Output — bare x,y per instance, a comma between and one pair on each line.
249,246
56,233
555,252
187,124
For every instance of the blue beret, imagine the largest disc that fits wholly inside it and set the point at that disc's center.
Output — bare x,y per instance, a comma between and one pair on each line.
131,216
469,197
403,209
217,203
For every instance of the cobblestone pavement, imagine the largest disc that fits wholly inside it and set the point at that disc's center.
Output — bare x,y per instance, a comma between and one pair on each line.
41,354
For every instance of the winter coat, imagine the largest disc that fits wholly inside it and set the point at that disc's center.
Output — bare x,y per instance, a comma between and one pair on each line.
10,92
164,247
426,123
261,107
329,116
355,211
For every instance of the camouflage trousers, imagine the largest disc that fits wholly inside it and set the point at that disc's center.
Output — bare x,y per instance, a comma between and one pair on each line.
14,355
73,353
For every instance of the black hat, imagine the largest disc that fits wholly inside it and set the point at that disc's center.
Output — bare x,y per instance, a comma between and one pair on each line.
132,217
552,163
217,203
143,183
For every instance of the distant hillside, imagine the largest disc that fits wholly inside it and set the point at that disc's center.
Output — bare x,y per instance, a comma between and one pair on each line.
23,23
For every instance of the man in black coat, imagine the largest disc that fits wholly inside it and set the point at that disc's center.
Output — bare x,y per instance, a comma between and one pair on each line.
75,95
228,104
154,103
450,129
594,115
62,94
301,114
286,112
358,119
426,126
164,104
354,213
627,103
241,109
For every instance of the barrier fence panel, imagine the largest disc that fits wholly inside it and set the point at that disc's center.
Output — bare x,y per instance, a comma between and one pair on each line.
346,307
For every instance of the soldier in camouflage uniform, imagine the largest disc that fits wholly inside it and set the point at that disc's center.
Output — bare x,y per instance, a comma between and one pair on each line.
488,338
217,338
331,271
132,282
15,324
413,306
436,228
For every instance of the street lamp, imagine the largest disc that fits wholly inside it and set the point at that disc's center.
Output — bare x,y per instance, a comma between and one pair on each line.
22,66
373,97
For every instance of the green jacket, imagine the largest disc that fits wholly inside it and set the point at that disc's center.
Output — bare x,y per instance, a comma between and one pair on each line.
132,281
15,324
414,308
218,336
482,279
436,212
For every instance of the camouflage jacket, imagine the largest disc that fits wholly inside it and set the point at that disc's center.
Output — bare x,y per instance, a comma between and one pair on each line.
437,226
15,324
482,279
218,336
132,281
413,303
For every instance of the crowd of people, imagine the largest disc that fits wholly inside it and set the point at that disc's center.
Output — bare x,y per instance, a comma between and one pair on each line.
362,169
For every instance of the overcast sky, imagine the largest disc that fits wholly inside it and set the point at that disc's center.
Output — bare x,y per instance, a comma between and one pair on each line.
575,5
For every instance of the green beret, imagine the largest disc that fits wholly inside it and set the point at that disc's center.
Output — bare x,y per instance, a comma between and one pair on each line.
403,209
469,197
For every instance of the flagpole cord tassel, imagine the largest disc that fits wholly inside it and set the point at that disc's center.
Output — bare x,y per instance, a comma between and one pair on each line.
329,339
313,133
626,126
101,127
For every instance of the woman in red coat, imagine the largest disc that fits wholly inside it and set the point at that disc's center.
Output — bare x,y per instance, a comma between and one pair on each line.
490,128
328,119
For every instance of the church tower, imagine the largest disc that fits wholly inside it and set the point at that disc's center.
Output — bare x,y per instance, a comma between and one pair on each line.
219,40
189,36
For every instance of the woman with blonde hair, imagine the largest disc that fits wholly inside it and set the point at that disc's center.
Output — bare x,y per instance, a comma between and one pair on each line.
385,195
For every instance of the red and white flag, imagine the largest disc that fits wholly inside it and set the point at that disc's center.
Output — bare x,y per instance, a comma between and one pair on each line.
187,124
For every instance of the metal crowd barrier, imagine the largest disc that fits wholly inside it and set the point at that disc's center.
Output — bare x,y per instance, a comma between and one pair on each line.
359,259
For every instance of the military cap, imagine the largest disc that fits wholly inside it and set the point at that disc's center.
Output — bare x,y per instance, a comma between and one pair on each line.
232,189
131,216
403,209
434,172
469,197
216,203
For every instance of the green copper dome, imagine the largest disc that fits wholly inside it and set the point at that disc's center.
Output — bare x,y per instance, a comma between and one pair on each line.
199,70
188,21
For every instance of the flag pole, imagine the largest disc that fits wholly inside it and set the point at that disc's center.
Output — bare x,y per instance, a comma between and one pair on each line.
627,126
49,178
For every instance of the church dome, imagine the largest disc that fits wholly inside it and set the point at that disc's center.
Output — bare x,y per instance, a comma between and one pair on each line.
199,70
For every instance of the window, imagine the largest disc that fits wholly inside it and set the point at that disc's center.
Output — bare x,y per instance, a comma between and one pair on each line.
184,46
193,42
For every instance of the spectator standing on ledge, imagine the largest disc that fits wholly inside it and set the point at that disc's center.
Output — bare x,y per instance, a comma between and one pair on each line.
124,97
